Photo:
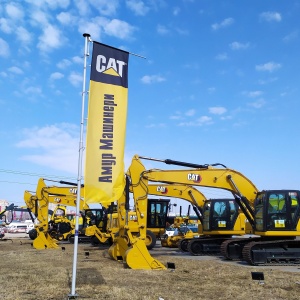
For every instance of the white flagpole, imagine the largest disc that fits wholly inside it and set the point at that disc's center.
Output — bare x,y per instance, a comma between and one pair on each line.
73,294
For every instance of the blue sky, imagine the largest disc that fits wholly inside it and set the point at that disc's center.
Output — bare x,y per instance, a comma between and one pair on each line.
220,84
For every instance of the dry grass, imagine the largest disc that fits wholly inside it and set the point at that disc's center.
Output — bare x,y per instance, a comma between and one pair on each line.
30,274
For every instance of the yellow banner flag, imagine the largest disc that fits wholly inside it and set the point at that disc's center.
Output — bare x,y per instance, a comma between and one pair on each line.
104,179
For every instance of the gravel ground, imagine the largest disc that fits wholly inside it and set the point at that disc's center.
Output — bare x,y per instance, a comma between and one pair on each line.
158,250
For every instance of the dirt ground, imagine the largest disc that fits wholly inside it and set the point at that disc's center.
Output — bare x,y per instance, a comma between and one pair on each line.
27,273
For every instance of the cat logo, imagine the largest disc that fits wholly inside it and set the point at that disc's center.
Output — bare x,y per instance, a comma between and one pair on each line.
162,189
110,66
194,177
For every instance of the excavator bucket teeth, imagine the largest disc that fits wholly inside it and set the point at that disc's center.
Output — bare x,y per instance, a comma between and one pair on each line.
44,242
118,249
138,257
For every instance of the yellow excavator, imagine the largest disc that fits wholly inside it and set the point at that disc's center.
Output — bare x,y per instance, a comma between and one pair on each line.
136,254
126,247
272,214
216,226
188,193
43,235
157,216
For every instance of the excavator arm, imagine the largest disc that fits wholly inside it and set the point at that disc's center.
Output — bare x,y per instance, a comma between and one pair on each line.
9,208
243,190
180,191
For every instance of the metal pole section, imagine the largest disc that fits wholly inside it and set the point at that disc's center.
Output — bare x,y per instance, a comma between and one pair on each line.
73,295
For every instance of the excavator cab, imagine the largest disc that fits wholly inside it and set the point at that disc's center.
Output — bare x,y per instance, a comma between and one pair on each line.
220,214
93,217
157,213
277,210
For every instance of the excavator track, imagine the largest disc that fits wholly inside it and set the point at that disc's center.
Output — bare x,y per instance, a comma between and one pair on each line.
271,253
183,245
232,249
205,246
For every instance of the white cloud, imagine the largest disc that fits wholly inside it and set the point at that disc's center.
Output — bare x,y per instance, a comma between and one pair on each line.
4,48
57,146
253,94
204,120
270,16
224,118
291,36
119,29
23,35
138,7
175,117
222,56
238,46
269,80
83,7
96,26
52,4
39,18
163,30
77,60
33,90
15,70
52,38
75,78
211,90
56,75
6,25
190,112
105,7
148,79
182,31
258,103
159,125
270,67
93,26
14,11
217,110
63,64
66,18
225,23
176,11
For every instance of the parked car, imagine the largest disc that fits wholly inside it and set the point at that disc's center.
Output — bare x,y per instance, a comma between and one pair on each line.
17,227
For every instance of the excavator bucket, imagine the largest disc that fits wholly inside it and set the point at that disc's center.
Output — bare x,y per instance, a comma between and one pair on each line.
138,257
118,249
43,241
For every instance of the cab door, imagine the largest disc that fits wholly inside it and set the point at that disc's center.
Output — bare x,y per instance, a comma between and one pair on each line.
277,210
